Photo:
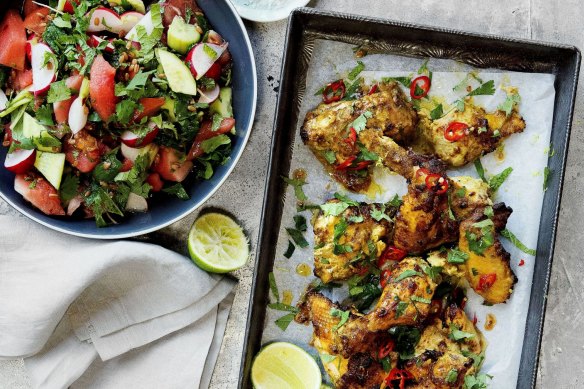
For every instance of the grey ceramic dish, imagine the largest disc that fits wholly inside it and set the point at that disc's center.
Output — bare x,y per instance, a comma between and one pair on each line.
166,210
383,36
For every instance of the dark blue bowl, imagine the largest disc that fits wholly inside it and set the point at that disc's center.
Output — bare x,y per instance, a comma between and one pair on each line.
166,210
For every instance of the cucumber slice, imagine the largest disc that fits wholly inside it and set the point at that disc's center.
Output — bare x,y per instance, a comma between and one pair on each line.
42,139
168,106
181,36
138,5
51,166
30,127
178,75
222,105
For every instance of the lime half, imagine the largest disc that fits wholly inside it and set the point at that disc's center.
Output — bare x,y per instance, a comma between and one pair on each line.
217,243
284,365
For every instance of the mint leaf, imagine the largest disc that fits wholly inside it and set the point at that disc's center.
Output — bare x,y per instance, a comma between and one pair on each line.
211,144
285,321
297,237
511,236
405,274
178,190
344,315
356,70
437,112
497,180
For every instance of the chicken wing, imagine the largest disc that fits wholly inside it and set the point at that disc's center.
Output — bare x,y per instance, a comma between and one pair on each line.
487,268
327,132
348,243
486,131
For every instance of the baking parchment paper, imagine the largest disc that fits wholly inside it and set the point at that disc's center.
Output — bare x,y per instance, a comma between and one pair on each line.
527,153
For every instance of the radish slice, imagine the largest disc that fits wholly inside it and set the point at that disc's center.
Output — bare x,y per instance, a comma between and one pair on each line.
20,161
74,204
203,56
129,20
208,97
78,115
95,40
42,76
131,139
132,153
145,22
104,19
3,100
136,203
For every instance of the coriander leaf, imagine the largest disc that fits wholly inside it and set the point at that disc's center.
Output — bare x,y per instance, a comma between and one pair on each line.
108,169
405,81
297,237
510,102
125,110
509,235
437,112
433,271
217,120
456,334
283,307
102,205
334,208
497,180
483,223
178,190
300,223
487,88
400,309
367,155
457,256
489,212
356,70
63,21
405,274
58,92
273,286
452,376
297,185
285,321
480,170
346,199
211,144
546,176
361,121
478,381
69,188
344,315
149,41
44,115
379,214
424,68
396,201
290,250
460,192
356,219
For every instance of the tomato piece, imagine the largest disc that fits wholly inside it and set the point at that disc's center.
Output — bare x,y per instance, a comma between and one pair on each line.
155,182
334,91
436,183
384,278
385,349
21,79
486,281
82,151
391,253
102,88
171,164
74,82
455,131
39,192
206,132
214,71
173,8
151,106
68,7
37,21
13,38
423,83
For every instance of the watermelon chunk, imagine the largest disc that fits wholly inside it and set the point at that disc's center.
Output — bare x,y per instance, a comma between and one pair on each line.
151,106
37,20
102,88
13,38
82,151
39,192
206,132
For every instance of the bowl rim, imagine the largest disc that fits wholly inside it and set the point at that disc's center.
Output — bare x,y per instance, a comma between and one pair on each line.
263,16
195,206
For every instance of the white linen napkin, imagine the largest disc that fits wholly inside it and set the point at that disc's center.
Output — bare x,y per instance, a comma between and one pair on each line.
94,314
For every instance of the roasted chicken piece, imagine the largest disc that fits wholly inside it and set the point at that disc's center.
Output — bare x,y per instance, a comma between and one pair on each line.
404,301
332,132
487,268
439,361
423,221
484,132
359,370
347,243
467,194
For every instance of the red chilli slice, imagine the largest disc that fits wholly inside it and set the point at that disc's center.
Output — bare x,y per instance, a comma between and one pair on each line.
391,253
436,183
384,278
486,281
422,82
385,349
455,131
334,91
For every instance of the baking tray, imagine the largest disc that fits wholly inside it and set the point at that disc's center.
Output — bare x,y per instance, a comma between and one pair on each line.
305,25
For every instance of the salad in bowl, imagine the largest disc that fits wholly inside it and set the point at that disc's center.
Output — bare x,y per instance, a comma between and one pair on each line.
105,105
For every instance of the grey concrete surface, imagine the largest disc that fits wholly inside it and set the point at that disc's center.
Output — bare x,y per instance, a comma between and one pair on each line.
562,353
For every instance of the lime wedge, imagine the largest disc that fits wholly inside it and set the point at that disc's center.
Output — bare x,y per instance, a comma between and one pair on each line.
217,243
284,365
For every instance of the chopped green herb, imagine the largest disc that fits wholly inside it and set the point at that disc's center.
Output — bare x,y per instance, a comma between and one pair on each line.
325,358
300,223
344,315
405,81
509,103
346,199
489,212
283,307
352,89
379,214
69,188
178,190
437,112
424,69
273,286
58,92
497,180
480,170
334,208
457,256
356,219
297,237
460,192
400,309
297,185
487,88
511,236
433,271
546,176
396,201
285,321
457,335
405,274
361,121
452,376
459,105
478,381
290,250
420,299
330,156
356,70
